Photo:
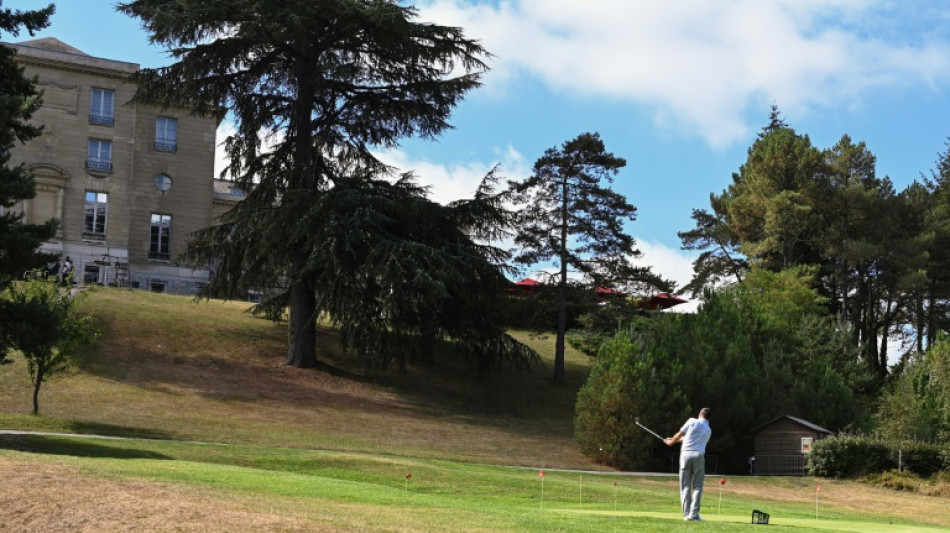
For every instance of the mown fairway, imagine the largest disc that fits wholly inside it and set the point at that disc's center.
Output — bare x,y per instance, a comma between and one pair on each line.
329,449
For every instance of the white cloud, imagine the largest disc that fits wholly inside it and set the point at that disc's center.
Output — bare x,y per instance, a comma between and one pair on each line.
699,65
671,264
667,262
454,181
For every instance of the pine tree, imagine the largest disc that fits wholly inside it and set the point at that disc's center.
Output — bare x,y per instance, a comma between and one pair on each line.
574,219
313,86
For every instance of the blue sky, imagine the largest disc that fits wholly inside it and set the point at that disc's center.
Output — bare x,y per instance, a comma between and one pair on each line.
677,88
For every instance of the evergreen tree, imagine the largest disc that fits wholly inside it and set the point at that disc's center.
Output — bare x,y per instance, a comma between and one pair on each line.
719,261
19,99
792,205
322,82
572,218
933,309
773,202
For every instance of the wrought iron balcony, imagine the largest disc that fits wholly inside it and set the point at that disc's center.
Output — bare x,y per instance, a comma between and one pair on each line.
91,236
102,120
159,256
98,165
166,146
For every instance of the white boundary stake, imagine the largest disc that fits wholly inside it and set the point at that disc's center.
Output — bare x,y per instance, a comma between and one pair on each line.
817,491
721,483
541,475
580,490
615,495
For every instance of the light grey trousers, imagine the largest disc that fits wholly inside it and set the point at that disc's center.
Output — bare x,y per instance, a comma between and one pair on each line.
692,475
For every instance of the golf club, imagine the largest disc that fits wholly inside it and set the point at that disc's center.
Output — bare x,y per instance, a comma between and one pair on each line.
650,431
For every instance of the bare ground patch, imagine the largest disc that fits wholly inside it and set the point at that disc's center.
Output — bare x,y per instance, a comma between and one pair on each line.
43,497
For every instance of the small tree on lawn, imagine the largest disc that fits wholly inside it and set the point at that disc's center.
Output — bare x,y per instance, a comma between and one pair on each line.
572,218
45,328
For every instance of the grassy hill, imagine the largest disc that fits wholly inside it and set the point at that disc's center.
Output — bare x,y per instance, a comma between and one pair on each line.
173,367
223,436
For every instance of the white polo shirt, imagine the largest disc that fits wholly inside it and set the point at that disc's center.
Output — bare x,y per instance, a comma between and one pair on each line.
696,433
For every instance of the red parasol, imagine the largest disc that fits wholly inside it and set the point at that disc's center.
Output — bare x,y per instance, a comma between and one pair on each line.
661,301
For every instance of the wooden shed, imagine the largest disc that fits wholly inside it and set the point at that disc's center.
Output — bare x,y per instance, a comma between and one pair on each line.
782,446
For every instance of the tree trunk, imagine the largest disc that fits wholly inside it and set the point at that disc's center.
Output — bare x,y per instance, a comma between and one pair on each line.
561,327
36,389
562,290
302,330
301,342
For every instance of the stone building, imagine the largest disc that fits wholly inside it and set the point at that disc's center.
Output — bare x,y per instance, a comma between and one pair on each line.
128,184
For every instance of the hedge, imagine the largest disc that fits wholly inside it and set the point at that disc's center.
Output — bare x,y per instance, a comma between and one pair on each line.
848,456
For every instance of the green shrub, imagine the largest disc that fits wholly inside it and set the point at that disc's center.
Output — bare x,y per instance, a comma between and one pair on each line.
919,457
587,342
848,456
854,456
610,401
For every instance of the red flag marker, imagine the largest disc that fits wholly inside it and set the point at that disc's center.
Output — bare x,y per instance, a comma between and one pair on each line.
540,473
722,481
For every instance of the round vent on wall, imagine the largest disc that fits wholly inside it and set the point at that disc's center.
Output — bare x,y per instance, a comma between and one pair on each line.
163,182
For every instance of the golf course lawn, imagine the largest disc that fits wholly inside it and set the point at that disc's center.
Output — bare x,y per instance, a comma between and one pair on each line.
107,484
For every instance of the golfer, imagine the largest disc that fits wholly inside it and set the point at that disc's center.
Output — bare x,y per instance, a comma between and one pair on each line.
694,435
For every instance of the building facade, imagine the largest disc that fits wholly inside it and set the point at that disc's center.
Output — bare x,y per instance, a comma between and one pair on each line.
128,184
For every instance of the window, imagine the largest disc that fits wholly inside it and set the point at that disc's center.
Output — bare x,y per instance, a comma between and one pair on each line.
166,134
159,237
95,215
100,108
99,158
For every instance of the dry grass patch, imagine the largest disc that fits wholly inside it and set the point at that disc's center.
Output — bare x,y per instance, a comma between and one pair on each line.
50,497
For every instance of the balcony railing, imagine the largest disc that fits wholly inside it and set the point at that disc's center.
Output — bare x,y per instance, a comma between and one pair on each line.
92,236
159,256
166,146
97,165
102,120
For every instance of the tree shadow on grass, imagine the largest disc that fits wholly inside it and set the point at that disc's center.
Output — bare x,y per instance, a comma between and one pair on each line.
112,430
72,447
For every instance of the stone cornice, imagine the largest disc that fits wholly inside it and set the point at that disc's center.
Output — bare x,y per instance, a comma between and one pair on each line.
41,57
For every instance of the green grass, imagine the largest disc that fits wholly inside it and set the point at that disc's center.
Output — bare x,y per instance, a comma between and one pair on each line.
329,448
359,491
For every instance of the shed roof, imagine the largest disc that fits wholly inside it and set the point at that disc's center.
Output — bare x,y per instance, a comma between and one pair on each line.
799,421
